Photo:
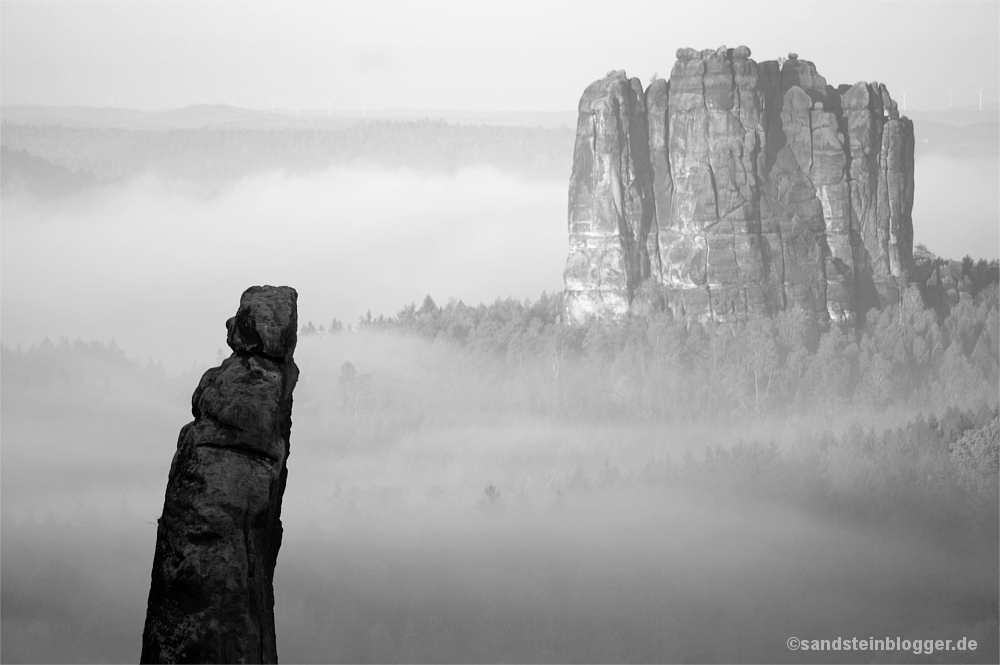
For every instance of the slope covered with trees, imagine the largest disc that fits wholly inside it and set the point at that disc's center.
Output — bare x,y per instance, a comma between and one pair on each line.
658,369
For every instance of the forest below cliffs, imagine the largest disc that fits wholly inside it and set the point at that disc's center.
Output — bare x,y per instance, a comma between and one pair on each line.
660,370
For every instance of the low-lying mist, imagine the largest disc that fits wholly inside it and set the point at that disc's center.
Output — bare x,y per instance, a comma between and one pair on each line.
159,269
427,518
155,262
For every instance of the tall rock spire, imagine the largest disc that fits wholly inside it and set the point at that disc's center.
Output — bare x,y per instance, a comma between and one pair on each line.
211,598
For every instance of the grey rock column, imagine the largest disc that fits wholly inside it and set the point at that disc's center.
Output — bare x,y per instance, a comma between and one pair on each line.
211,599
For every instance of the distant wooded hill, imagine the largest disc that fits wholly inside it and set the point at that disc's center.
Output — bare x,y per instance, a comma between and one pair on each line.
220,153
22,172
53,151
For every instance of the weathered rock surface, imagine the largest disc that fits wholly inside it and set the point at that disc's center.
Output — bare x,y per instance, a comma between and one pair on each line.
211,598
759,188
611,203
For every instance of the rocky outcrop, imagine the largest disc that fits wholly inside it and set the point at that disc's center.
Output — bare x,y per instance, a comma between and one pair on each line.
947,286
211,598
611,201
736,189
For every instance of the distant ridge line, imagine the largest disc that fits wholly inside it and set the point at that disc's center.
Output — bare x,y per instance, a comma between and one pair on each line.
222,115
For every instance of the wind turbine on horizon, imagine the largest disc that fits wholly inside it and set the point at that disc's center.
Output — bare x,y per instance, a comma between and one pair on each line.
904,100
980,91
364,111
949,96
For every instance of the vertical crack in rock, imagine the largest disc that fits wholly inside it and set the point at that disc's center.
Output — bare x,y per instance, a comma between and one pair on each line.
815,185
211,598
610,201
662,180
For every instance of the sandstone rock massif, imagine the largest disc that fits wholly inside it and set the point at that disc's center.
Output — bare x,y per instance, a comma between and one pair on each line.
211,599
737,189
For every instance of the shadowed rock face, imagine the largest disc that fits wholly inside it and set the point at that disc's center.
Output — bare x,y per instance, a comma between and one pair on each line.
762,188
211,599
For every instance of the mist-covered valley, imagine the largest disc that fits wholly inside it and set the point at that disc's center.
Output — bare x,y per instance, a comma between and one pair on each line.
539,499
481,482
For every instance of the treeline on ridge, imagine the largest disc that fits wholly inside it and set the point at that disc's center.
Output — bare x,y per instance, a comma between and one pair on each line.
660,369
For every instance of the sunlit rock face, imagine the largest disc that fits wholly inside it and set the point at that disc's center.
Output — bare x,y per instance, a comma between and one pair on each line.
610,202
211,599
737,189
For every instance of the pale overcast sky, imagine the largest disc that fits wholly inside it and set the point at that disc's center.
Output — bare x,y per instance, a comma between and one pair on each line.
466,55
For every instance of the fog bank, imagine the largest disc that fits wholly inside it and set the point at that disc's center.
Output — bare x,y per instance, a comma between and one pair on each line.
160,270
157,267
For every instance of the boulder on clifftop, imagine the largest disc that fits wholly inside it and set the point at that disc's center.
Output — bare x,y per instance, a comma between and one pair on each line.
211,598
